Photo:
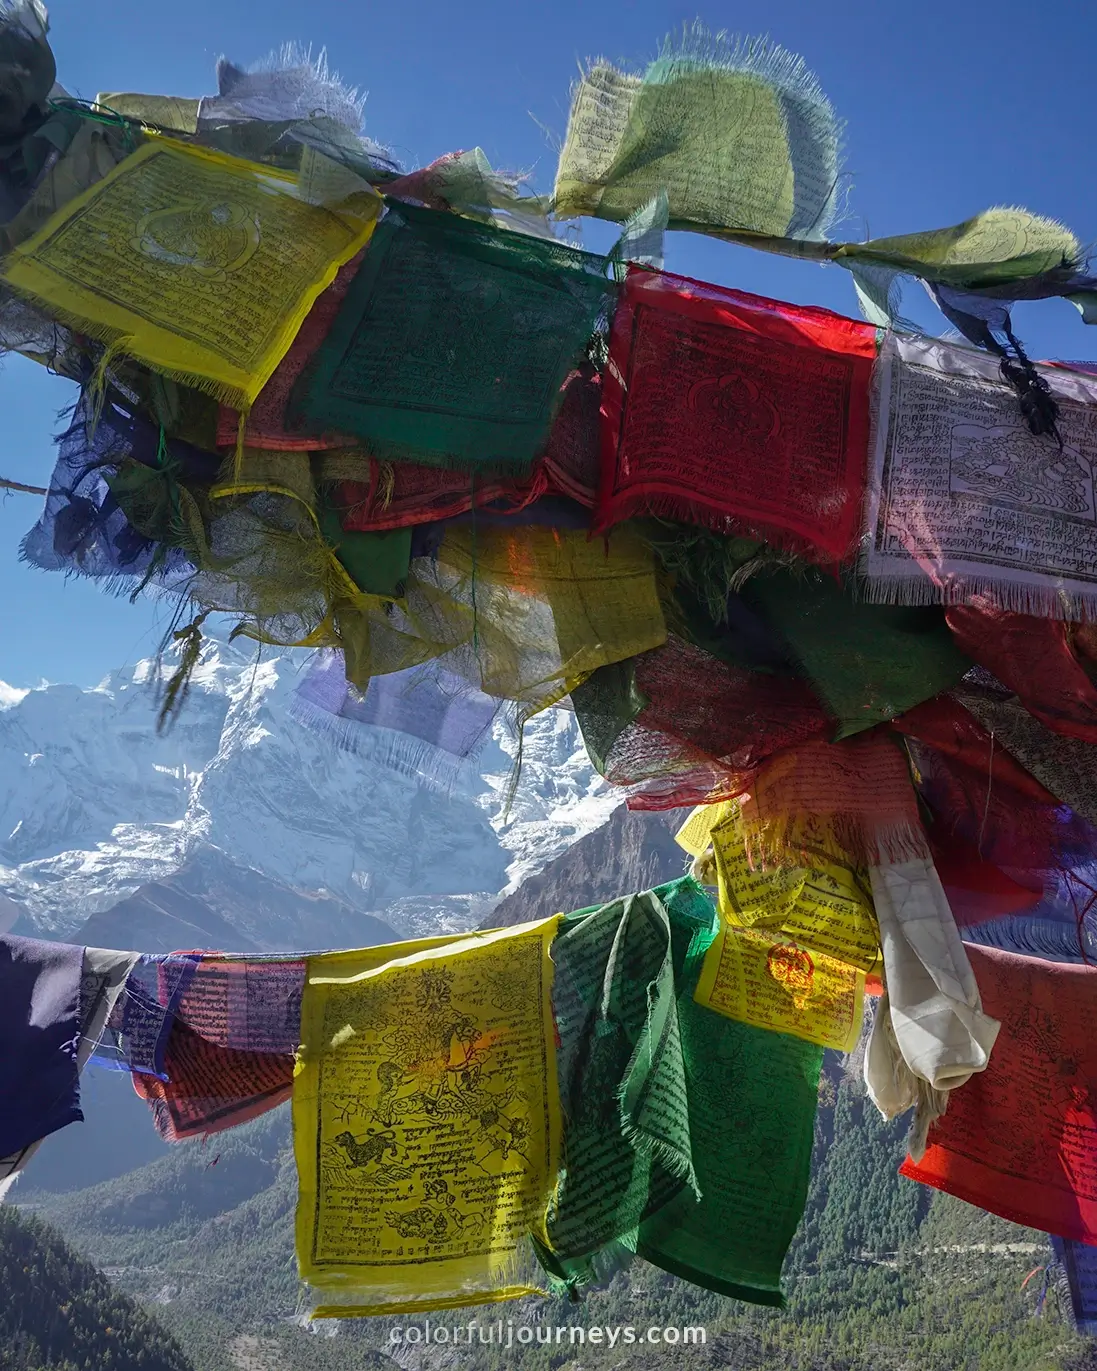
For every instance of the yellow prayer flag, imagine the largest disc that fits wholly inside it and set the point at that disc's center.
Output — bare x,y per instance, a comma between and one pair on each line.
426,1119
827,907
774,982
199,264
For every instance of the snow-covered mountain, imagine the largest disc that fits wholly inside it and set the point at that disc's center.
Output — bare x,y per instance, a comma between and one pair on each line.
94,804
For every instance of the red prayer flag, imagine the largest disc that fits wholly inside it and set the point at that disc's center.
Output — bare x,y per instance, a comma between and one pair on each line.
1020,1138
212,1088
736,412
1035,659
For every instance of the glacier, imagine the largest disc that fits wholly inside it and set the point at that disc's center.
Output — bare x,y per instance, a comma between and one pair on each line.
95,803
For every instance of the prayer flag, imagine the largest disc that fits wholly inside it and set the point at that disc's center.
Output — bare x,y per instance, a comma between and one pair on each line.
201,265
736,412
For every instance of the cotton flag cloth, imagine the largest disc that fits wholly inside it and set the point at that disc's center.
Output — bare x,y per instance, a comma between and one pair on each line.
774,982
426,1120
1020,1138
1035,658
687,728
854,798
200,265
687,1135
736,412
251,1005
1079,1263
737,135
965,501
932,1028
267,417
453,343
867,663
824,905
423,722
102,976
41,1033
136,1032
211,1088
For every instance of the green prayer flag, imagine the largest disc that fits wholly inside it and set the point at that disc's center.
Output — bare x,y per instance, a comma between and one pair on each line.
737,134
687,1135
993,248
453,342
867,663
377,562
605,704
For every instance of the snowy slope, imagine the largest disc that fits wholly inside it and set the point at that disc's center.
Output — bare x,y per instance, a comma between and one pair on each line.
94,804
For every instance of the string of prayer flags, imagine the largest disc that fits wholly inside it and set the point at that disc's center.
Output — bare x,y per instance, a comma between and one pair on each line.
453,343
736,412
867,663
965,501
773,982
200,265
1020,1138
737,135
426,1120
701,1145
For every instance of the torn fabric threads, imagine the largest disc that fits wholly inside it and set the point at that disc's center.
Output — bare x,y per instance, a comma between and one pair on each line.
772,981
426,1119
738,135
1020,1138
211,1088
200,265
736,412
965,501
266,419
453,343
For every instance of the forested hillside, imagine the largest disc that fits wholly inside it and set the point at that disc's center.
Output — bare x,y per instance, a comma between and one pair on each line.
58,1313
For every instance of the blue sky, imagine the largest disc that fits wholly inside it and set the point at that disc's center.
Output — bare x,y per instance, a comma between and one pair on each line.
951,106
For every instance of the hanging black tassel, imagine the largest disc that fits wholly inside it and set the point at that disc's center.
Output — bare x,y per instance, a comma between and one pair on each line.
987,328
1039,407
